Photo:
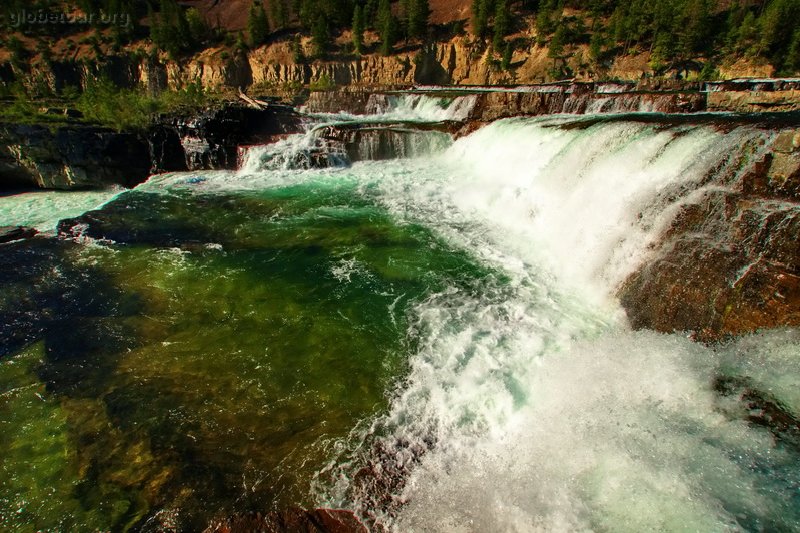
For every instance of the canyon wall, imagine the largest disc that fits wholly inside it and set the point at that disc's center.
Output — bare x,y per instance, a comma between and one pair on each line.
272,70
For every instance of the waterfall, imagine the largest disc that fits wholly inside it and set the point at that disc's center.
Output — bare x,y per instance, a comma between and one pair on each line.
426,107
518,397
530,404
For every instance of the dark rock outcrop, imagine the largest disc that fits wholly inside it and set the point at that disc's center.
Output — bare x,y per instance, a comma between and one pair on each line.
70,157
211,140
85,156
377,142
730,263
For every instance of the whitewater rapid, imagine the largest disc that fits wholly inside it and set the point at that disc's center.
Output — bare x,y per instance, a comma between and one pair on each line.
529,403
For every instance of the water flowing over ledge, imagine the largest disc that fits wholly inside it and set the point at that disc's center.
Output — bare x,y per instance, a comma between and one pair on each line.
427,331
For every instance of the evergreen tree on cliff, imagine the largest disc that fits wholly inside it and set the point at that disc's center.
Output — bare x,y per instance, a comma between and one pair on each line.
480,17
320,36
279,13
419,12
257,24
358,29
386,26
501,16
169,30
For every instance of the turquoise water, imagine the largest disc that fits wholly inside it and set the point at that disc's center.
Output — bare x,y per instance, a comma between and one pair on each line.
433,343
208,357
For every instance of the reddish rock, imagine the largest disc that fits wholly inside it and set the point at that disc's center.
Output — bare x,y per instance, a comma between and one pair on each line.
730,263
293,520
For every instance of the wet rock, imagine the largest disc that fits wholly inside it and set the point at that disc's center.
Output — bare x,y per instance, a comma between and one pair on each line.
762,408
376,142
730,262
351,100
211,140
292,521
15,233
70,157
81,156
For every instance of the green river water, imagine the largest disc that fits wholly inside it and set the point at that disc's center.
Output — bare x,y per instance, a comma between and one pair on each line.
217,342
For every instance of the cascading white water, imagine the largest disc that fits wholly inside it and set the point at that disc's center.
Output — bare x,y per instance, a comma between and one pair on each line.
295,151
43,209
530,405
313,149
423,107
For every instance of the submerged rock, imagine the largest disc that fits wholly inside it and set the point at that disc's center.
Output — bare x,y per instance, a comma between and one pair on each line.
15,233
292,521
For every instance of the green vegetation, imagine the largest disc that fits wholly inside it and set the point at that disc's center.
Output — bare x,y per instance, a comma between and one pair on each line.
419,12
324,83
694,38
387,25
257,24
358,29
103,103
320,37
680,35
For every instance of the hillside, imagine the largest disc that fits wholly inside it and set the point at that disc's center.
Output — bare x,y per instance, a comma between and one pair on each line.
214,47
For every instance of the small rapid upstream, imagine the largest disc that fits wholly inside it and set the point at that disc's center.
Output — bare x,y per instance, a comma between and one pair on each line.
374,316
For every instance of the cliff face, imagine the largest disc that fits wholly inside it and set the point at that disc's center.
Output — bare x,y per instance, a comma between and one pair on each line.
730,263
459,61
70,157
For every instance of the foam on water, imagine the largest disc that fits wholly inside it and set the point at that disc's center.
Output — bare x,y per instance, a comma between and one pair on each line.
43,209
529,404
422,107
621,432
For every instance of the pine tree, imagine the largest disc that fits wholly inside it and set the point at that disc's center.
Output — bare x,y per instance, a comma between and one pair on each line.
696,17
557,43
501,16
791,64
596,46
544,24
480,17
169,30
278,13
320,36
747,33
386,26
198,29
358,29
257,24
155,26
419,12
307,13
508,52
